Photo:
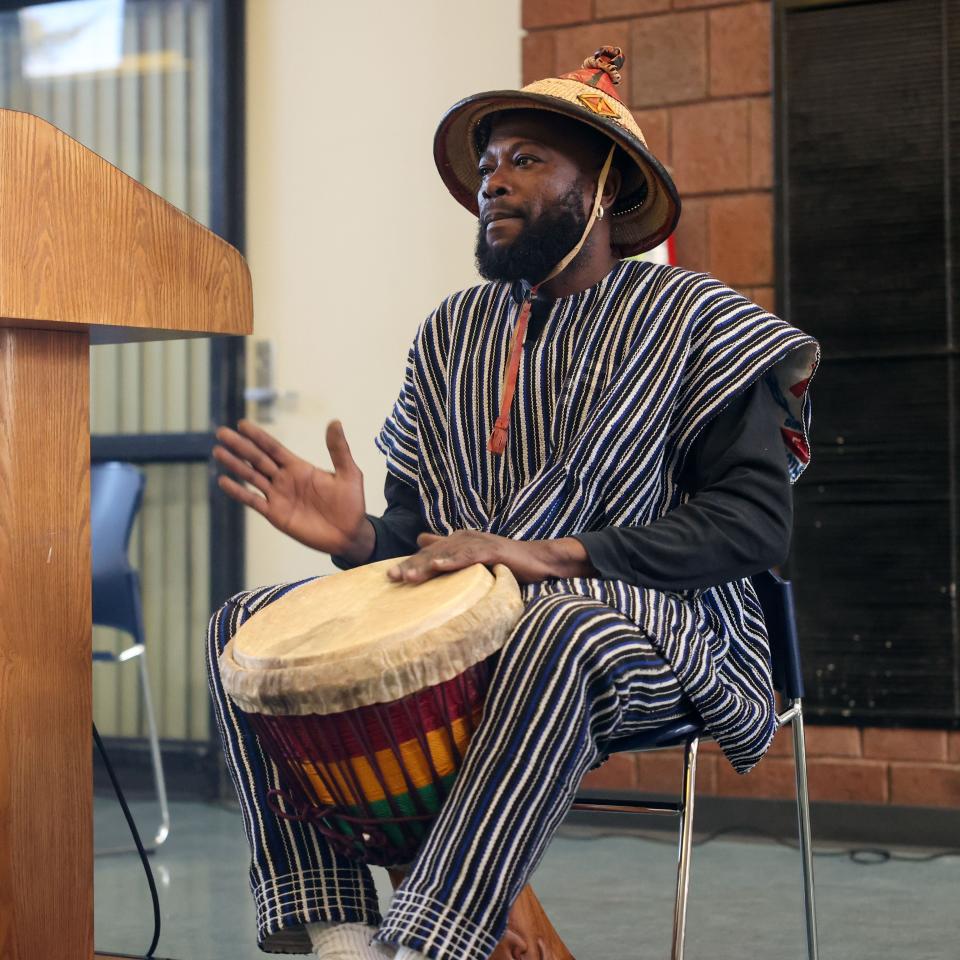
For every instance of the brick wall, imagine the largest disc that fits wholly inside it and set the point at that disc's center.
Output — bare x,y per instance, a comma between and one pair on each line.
697,78
844,764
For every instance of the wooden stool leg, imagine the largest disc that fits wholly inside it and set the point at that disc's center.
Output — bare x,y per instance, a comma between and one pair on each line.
530,934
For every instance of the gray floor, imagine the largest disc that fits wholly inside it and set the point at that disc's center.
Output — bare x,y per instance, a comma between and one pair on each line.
609,896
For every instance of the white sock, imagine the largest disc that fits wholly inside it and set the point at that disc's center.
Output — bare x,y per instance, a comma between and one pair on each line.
346,941
405,953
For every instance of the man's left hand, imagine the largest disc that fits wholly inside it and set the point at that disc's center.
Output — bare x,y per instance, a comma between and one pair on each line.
529,560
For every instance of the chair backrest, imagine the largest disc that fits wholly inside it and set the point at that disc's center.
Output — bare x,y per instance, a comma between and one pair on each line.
116,492
776,600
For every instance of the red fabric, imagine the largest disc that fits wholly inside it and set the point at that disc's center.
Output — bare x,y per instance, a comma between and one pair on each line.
498,439
595,78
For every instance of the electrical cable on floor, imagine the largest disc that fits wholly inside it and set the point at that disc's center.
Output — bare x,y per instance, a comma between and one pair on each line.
136,839
862,856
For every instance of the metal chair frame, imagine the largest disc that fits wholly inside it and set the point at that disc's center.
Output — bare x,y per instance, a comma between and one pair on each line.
776,600
116,493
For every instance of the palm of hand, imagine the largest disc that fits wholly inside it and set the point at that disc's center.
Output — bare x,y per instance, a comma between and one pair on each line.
314,506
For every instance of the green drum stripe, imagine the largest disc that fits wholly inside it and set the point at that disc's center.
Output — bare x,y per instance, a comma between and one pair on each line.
403,804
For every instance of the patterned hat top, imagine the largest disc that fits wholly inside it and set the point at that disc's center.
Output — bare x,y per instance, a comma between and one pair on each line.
648,207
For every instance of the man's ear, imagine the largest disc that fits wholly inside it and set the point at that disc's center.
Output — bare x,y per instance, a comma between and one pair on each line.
611,189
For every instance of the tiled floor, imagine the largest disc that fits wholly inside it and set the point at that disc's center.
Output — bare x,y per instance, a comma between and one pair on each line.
610,896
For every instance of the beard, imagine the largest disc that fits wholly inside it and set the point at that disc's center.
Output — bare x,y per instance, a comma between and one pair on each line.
540,245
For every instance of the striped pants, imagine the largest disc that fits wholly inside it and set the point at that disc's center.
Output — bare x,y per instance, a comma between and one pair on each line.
574,675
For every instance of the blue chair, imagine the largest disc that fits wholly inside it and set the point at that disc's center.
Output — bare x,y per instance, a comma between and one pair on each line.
776,600
116,492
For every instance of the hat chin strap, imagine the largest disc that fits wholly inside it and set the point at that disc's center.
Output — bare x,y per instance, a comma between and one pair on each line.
498,438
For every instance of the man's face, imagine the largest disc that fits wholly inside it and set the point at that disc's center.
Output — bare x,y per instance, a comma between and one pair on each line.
538,175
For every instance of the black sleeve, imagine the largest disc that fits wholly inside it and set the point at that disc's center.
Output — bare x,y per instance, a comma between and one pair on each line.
737,520
398,528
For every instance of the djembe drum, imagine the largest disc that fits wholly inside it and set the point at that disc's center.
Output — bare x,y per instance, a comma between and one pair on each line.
365,694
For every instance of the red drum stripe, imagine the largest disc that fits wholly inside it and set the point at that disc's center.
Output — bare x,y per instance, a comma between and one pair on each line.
366,730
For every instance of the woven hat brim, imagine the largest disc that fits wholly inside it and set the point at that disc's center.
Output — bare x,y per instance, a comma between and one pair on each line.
632,231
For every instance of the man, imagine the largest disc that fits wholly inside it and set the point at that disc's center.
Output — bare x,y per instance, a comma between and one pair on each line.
622,435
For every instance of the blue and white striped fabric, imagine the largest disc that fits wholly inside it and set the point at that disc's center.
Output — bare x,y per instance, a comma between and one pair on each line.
609,400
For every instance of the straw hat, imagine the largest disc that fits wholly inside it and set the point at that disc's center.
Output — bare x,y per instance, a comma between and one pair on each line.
648,208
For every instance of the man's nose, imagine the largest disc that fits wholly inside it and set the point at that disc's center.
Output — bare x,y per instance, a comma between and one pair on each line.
495,184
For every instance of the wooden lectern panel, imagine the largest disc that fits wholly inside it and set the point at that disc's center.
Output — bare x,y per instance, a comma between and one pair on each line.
82,243
46,900
85,253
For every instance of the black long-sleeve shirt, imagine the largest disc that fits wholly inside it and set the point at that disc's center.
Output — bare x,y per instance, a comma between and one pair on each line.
736,522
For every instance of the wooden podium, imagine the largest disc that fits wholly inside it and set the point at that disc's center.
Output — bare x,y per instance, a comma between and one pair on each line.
86,255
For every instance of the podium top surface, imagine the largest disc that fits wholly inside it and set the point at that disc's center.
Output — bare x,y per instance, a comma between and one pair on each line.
83,246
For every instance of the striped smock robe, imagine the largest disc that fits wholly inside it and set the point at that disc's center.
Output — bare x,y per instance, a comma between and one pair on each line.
609,400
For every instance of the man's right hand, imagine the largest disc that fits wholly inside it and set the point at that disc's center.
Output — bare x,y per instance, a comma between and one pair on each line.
321,509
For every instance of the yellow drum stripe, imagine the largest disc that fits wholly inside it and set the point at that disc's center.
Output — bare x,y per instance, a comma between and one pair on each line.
412,757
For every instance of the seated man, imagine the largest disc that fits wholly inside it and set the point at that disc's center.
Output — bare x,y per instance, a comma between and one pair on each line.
633,472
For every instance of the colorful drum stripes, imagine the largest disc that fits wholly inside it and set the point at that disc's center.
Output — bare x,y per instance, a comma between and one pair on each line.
386,761
416,763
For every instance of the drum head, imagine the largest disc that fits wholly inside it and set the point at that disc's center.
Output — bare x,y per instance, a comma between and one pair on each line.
342,614
356,638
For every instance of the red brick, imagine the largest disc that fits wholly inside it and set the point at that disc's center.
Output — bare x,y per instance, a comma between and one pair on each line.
913,745
629,8
539,56
659,771
782,745
551,13
710,143
655,125
740,50
953,748
772,777
618,773
766,297
669,62
828,741
691,243
740,237
707,765
848,781
576,44
761,143
925,784
691,4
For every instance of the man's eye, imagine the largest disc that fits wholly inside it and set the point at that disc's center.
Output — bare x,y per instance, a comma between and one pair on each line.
523,161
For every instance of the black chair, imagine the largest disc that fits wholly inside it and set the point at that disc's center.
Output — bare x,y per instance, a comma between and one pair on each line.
116,492
776,600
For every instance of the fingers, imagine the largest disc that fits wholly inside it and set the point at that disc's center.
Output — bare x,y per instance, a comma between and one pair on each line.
340,455
444,555
252,445
243,494
267,442
241,469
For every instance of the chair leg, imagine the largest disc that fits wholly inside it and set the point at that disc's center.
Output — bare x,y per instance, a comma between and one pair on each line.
806,842
686,839
164,829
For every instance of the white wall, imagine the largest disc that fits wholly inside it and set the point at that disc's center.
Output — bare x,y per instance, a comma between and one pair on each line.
352,238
